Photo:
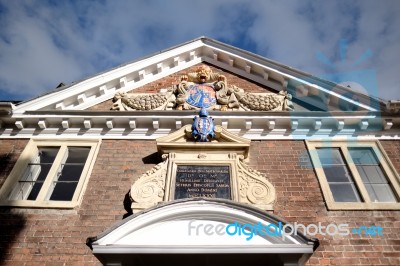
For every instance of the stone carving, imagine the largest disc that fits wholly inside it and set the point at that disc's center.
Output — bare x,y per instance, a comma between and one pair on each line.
149,189
201,89
204,89
203,126
226,149
140,102
254,188
266,101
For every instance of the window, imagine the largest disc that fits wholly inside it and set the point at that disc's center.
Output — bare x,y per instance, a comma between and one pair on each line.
355,175
50,174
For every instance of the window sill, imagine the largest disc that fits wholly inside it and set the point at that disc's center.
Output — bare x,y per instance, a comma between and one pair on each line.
35,204
362,206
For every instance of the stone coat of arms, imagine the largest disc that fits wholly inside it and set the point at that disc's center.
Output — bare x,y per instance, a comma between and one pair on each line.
203,126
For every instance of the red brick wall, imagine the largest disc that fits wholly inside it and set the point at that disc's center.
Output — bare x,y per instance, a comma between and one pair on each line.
55,237
299,199
10,150
155,86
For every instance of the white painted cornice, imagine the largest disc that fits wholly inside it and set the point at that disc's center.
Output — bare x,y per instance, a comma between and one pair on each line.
154,124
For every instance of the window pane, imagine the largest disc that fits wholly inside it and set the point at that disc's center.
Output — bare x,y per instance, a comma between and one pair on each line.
371,174
337,174
43,170
363,156
47,155
329,156
31,182
46,159
77,154
344,192
380,193
65,183
63,191
71,172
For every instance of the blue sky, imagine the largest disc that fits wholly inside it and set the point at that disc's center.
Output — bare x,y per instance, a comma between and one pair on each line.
43,43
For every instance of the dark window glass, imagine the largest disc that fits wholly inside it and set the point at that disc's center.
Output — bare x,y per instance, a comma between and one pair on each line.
31,182
65,183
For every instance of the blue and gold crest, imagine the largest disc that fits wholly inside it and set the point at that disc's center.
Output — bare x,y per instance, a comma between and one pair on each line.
201,95
203,126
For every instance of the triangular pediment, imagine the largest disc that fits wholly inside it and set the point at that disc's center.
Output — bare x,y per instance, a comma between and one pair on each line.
309,93
183,141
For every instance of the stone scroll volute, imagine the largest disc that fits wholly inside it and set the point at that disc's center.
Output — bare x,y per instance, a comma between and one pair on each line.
254,188
149,189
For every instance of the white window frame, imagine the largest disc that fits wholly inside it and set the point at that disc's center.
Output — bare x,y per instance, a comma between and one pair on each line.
367,204
30,154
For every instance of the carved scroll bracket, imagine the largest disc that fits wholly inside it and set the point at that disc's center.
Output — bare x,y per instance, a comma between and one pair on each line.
149,189
226,149
254,188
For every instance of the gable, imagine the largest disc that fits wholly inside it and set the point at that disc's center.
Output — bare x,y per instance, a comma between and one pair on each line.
307,106
308,91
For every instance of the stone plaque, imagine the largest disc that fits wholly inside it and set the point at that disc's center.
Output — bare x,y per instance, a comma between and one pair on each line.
209,181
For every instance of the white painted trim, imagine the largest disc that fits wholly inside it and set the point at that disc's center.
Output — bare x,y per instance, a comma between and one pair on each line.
174,216
154,125
102,87
204,249
103,78
151,134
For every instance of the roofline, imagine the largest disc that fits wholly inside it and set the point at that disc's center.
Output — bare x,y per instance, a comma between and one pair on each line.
303,75
113,68
378,103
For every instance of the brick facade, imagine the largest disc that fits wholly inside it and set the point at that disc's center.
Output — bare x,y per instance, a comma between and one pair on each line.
156,86
10,151
57,237
300,199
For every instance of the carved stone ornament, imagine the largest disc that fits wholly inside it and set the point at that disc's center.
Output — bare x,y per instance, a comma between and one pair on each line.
225,150
254,188
204,89
203,126
149,189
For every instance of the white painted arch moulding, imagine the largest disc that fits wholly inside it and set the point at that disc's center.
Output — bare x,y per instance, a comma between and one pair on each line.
164,230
